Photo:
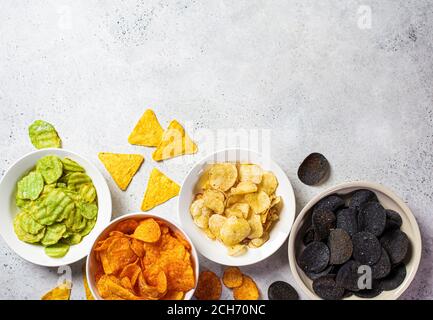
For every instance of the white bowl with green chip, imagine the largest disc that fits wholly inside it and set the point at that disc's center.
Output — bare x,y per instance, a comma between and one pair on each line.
43,207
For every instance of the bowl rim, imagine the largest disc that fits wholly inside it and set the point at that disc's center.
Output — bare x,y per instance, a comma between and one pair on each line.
416,254
202,161
194,254
104,188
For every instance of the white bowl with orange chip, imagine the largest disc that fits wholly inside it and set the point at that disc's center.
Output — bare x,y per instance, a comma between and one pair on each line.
145,286
215,249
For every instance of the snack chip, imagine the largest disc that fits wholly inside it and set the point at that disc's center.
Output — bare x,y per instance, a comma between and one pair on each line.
44,135
30,186
174,142
122,167
61,292
160,188
247,291
147,132
208,286
232,277
160,267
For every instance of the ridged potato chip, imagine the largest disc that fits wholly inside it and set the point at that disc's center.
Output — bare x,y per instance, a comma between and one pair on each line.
70,165
30,186
50,167
44,135
244,187
258,201
232,277
247,291
234,230
250,172
222,176
57,250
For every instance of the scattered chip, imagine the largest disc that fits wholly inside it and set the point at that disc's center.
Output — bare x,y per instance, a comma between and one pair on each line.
208,286
394,279
61,292
396,244
314,169
393,220
347,220
122,167
340,246
174,142
147,132
382,267
366,248
327,288
247,291
280,290
232,277
147,230
361,197
160,188
44,135
87,291
347,276
315,257
323,222
372,218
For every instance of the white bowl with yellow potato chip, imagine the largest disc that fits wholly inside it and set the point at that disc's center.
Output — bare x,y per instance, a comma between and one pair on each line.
34,253
214,249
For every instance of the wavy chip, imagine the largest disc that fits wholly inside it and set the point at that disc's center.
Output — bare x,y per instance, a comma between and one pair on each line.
43,135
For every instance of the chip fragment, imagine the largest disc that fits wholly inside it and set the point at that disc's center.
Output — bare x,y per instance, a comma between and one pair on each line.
208,286
147,132
122,167
232,277
43,135
247,290
61,292
160,189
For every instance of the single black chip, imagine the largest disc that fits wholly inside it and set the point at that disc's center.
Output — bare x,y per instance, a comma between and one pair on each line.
372,218
394,279
314,169
315,257
393,220
382,267
314,276
308,236
396,244
323,222
347,219
374,291
361,197
332,203
366,248
280,290
326,288
348,276
340,246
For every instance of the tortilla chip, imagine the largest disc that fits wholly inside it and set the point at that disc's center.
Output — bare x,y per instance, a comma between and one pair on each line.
122,167
61,292
175,142
160,188
147,132
89,295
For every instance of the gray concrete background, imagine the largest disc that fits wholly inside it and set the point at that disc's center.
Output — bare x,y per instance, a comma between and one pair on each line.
303,69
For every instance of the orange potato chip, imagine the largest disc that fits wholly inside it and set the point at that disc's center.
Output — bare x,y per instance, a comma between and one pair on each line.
137,247
146,291
180,275
61,292
174,142
122,167
119,254
208,287
89,295
174,295
109,288
232,277
247,291
159,189
127,226
131,271
148,231
126,283
147,132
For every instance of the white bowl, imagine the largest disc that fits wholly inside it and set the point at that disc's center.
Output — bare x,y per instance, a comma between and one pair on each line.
8,209
215,250
390,201
91,263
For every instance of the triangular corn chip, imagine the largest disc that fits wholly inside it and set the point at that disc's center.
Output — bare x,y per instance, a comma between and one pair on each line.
122,167
175,142
160,188
147,132
89,295
61,292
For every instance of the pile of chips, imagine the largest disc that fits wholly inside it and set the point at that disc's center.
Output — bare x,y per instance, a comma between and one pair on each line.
237,205
144,260
58,204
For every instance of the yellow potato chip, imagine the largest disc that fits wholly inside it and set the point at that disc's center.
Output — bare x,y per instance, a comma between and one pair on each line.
250,172
258,201
222,176
247,291
244,187
232,277
234,230
214,200
236,250
256,226
147,132
61,292
160,188
89,295
174,142
122,167
269,183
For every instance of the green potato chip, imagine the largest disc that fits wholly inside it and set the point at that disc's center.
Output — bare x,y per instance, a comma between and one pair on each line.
24,236
90,224
88,210
29,225
52,208
51,168
57,250
23,204
73,238
44,135
88,192
30,186
71,166
61,185
77,179
48,188
53,234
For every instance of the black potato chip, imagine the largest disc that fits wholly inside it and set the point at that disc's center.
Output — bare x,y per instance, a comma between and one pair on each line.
326,288
340,246
382,267
394,279
314,169
315,257
323,222
280,290
347,277
347,220
361,197
396,244
314,276
308,236
370,293
393,220
366,248
372,218
332,203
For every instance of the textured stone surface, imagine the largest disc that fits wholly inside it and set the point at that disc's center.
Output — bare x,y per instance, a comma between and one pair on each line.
302,68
